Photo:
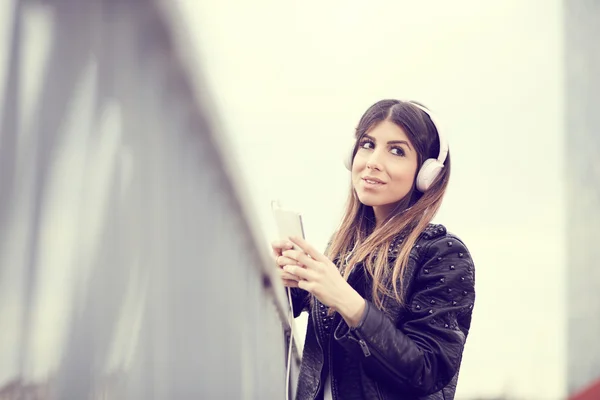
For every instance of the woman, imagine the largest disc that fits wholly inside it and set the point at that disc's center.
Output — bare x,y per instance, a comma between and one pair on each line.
390,301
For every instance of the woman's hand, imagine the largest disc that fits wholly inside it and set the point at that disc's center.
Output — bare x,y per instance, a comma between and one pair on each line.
316,274
279,246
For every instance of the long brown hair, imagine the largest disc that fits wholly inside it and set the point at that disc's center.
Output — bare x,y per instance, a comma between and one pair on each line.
358,238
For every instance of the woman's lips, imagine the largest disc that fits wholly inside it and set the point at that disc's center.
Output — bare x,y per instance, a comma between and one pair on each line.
371,183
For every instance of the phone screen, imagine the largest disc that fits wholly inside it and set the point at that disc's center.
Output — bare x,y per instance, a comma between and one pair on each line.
289,223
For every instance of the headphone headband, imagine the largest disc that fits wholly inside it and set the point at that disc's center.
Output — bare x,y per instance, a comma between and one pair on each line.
441,136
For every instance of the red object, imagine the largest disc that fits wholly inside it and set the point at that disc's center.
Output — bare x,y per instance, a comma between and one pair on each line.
591,392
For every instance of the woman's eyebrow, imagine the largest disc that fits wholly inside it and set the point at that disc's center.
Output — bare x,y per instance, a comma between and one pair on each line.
392,141
400,142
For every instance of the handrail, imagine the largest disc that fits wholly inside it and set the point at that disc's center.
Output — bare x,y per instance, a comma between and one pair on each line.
192,71
122,87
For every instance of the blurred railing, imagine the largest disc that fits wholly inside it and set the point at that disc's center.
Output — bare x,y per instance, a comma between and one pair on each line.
130,267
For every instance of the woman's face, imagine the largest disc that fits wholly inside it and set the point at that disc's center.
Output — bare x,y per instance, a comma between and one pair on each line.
384,168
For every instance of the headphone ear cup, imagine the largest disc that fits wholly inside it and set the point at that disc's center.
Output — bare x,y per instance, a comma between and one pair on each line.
430,170
348,155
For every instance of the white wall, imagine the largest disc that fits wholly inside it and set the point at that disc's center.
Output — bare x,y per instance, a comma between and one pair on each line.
292,79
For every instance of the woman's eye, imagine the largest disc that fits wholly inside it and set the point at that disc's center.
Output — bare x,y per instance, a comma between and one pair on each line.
398,151
367,144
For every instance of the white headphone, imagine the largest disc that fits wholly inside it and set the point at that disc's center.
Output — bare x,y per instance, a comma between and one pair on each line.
431,167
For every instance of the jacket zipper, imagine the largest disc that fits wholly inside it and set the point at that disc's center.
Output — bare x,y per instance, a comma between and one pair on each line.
364,347
330,360
316,323
329,369
367,352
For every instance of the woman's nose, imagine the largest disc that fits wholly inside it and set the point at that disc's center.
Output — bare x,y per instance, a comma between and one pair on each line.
374,161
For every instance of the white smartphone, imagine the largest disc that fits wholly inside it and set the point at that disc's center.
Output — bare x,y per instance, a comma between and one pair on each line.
289,223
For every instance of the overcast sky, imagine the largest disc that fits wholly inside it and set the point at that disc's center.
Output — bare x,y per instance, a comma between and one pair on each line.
293,78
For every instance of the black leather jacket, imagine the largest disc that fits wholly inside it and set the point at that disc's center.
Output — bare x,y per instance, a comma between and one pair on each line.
408,352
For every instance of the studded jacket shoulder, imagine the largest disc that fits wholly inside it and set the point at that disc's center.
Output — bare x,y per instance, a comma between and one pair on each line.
410,351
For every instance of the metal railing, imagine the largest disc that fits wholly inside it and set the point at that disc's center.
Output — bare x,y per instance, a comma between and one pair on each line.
130,265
